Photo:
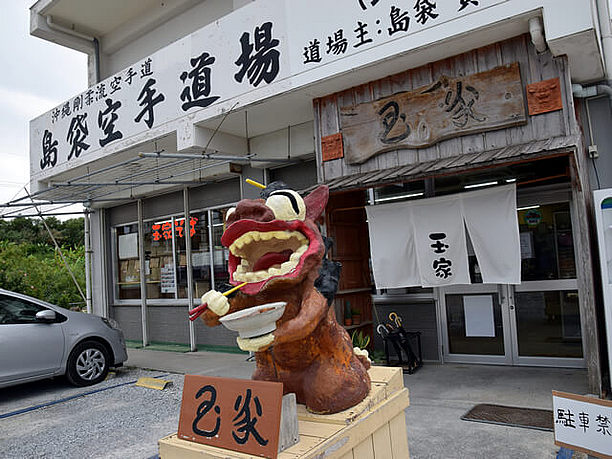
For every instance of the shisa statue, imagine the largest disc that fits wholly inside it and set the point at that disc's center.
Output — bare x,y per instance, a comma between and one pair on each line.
277,253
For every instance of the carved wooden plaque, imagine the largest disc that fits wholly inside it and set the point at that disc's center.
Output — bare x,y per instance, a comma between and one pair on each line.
449,107
544,96
331,147
235,414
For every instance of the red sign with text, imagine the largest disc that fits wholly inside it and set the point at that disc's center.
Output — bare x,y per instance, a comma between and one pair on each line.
234,414
164,230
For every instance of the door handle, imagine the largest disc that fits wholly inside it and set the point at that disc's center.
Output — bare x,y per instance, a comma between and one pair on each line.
511,307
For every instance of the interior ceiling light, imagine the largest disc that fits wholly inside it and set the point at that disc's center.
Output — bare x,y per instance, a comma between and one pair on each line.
479,185
527,208
402,196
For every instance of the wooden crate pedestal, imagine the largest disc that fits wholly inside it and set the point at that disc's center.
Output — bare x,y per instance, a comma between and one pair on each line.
377,424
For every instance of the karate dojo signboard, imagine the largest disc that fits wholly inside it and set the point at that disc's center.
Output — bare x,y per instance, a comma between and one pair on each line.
583,423
225,59
234,414
256,52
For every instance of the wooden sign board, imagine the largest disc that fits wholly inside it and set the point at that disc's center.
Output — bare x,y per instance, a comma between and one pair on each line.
447,108
544,96
583,423
235,414
331,147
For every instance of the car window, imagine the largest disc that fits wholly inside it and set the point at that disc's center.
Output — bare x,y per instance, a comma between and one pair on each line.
17,311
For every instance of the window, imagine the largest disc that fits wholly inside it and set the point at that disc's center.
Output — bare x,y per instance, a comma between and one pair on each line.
128,265
547,244
220,253
399,192
165,256
200,255
17,311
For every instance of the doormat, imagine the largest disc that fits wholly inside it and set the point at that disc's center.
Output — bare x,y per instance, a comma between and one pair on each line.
529,418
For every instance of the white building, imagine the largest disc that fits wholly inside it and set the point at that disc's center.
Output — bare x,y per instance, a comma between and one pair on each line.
188,98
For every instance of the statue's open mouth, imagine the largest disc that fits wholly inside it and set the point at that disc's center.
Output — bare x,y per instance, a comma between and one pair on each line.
262,251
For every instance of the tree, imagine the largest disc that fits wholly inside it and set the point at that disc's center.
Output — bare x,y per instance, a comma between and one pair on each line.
30,263
68,233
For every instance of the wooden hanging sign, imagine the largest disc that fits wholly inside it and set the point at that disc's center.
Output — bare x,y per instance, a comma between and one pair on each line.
447,108
235,414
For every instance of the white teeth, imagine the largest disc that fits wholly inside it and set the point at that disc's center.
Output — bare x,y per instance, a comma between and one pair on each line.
261,275
242,272
247,238
286,267
240,275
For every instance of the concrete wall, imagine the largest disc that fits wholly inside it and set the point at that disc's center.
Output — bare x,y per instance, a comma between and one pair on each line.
169,324
185,23
601,119
297,176
215,195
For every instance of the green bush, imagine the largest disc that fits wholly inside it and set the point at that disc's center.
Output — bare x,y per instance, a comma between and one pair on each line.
37,269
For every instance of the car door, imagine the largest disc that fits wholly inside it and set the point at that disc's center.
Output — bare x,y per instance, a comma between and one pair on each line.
28,348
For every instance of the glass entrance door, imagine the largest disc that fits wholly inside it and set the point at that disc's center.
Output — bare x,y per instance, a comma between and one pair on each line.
475,324
545,320
534,323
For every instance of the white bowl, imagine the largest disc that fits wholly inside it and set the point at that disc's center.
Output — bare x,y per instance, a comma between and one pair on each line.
255,321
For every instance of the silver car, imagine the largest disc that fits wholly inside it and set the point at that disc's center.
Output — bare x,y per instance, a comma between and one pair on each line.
39,340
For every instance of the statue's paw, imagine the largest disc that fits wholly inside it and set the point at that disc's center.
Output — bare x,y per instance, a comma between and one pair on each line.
362,353
257,344
216,302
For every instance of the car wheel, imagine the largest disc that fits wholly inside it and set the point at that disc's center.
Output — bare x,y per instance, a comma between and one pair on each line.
87,364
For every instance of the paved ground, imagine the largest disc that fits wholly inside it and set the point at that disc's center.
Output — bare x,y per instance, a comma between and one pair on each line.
126,421
439,395
113,419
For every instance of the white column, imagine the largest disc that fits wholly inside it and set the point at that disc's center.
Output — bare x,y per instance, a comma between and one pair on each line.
143,281
187,226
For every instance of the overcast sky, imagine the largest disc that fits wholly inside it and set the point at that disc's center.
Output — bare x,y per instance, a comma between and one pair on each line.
35,76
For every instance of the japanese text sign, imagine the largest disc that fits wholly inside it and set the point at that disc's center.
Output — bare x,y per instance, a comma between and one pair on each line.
230,57
446,108
235,414
163,230
583,423
351,26
248,55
